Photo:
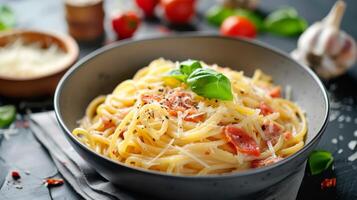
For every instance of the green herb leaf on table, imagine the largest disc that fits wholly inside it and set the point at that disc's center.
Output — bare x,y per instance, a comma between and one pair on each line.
7,18
210,84
285,22
217,14
7,115
319,161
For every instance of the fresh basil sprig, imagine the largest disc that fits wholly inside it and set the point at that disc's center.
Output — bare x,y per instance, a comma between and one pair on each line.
203,81
319,161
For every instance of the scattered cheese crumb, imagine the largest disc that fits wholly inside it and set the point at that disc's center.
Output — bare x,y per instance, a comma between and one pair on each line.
352,144
334,141
341,118
340,151
340,137
352,157
348,119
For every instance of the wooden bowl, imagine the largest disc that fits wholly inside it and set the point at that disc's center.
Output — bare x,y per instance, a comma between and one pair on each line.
24,87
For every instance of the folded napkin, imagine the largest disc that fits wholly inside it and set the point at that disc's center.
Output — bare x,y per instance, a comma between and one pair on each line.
79,174
92,186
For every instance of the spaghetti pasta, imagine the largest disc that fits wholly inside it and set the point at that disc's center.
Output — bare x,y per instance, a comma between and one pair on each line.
156,122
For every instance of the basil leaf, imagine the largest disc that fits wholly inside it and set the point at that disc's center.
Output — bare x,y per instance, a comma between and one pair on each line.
7,115
285,22
210,84
319,161
255,18
178,75
188,66
217,14
7,18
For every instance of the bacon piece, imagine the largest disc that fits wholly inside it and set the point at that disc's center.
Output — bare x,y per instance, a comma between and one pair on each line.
241,140
275,92
150,98
107,123
288,135
265,162
265,109
272,130
176,101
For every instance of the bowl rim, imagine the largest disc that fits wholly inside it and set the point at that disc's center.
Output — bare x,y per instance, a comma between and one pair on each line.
248,172
69,43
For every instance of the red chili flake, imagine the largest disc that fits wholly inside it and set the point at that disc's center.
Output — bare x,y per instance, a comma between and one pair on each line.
53,182
328,183
15,175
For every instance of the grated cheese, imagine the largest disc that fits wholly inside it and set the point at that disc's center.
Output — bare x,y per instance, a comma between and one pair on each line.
192,156
271,149
162,152
21,60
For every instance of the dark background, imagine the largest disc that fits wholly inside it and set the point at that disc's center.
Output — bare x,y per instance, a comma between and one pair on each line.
23,152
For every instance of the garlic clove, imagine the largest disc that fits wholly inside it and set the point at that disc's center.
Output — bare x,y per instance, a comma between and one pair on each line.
335,43
320,47
348,54
309,38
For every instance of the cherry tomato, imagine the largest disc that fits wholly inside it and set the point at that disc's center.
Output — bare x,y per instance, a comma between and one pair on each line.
178,11
238,26
241,140
147,6
126,24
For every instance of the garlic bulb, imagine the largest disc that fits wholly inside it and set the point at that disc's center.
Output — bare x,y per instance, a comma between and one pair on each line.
328,50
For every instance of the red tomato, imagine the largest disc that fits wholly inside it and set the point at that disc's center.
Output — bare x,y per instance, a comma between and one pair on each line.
238,26
241,140
178,11
126,24
147,6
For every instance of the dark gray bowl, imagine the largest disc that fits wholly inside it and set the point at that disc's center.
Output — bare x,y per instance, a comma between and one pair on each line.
102,70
